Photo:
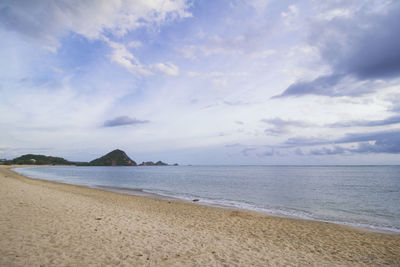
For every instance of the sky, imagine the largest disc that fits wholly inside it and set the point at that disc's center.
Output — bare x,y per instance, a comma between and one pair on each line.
202,82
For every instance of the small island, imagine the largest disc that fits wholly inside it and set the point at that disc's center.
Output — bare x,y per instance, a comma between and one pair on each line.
150,163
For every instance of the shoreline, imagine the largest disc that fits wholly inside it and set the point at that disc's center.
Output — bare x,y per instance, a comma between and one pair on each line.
152,195
50,223
205,202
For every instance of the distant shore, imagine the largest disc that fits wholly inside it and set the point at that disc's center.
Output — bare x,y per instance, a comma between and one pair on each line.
57,224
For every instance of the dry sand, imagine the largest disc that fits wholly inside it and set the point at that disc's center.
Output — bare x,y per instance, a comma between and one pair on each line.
52,224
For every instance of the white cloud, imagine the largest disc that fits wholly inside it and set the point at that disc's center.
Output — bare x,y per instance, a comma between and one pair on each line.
188,51
121,55
135,44
216,45
292,11
193,74
328,10
167,68
331,14
290,16
46,21
258,5
263,54
220,82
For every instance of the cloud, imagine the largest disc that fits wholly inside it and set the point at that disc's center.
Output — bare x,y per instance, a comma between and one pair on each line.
371,123
361,47
122,56
305,141
280,126
249,44
236,103
334,85
395,103
372,136
395,107
258,5
252,150
234,145
373,142
290,16
379,142
268,153
47,20
246,151
135,44
167,68
322,85
381,145
123,120
328,151
299,152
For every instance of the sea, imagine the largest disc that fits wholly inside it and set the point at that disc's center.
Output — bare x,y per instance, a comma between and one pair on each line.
361,196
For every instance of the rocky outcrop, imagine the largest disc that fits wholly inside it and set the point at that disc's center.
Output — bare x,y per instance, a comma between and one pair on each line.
150,163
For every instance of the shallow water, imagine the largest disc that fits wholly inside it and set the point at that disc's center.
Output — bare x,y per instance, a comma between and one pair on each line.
362,196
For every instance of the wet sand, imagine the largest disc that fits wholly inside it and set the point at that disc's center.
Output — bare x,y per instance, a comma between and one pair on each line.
53,224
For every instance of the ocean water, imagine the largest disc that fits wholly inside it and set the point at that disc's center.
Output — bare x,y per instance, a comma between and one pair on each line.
361,196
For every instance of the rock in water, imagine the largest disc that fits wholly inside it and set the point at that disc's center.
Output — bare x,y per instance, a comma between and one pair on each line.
150,163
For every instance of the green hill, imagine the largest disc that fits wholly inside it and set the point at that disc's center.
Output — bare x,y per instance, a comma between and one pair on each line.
32,159
114,158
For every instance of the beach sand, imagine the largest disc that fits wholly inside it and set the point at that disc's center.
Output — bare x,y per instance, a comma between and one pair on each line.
53,224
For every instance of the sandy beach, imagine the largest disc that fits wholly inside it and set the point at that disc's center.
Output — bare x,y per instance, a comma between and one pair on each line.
51,224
